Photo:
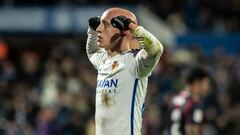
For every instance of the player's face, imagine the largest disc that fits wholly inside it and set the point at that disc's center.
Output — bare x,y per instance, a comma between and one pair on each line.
205,86
107,34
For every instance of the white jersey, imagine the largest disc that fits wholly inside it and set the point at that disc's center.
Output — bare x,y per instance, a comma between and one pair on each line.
122,84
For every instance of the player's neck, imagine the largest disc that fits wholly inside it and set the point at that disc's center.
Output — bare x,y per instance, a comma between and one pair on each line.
118,49
194,92
195,96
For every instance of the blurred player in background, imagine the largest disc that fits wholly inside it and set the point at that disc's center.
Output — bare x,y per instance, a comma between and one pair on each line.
122,72
186,109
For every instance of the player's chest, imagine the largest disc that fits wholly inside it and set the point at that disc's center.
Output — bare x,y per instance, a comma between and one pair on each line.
112,68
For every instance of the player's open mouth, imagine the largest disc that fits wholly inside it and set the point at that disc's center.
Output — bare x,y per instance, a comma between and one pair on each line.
99,38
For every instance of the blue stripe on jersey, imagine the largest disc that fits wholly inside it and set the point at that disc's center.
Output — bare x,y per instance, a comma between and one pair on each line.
132,108
143,108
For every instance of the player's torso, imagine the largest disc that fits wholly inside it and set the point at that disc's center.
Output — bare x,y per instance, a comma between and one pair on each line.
114,88
184,110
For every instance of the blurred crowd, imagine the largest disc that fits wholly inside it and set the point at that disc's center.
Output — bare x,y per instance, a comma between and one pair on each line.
62,2
48,88
182,15
218,16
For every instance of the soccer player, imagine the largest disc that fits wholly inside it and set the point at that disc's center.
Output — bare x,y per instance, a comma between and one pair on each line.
186,110
122,72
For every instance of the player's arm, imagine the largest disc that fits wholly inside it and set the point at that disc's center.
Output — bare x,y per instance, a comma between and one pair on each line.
150,54
148,57
94,52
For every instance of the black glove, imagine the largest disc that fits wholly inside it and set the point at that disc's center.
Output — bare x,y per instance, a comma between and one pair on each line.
94,22
121,22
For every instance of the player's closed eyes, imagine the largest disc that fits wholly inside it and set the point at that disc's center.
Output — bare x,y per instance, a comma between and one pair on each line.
105,24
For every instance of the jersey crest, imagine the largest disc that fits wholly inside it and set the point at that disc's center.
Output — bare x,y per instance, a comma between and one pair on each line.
114,66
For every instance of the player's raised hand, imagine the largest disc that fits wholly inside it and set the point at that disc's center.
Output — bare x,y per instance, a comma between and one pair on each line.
94,22
122,23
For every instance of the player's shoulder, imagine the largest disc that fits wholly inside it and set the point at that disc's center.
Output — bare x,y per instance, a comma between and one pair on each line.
180,99
135,51
132,52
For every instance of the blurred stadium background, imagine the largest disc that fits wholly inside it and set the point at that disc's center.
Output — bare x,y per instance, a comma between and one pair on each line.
47,85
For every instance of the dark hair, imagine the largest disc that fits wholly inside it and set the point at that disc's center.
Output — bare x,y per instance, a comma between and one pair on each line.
195,74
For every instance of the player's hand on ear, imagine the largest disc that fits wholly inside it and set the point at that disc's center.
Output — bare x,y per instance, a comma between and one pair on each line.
94,22
122,23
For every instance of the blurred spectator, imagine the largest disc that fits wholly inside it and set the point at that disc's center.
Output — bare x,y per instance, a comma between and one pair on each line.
3,50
